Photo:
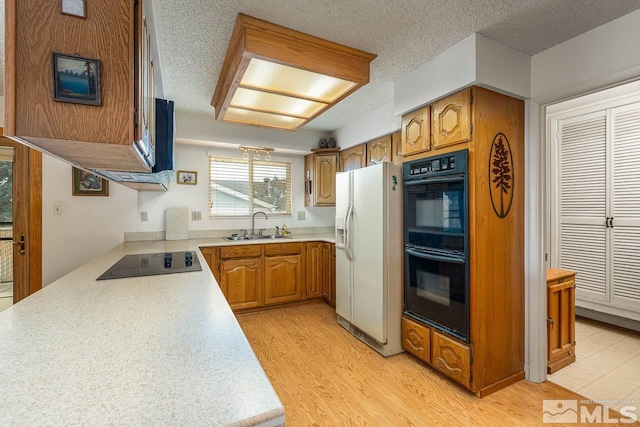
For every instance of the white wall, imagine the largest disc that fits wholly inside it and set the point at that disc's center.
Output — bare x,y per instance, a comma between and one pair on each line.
88,226
606,55
380,122
195,197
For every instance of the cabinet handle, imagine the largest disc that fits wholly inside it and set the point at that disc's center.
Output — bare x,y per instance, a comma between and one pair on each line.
611,222
606,222
550,322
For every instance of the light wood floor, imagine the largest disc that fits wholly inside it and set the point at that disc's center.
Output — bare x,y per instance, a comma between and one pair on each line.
326,377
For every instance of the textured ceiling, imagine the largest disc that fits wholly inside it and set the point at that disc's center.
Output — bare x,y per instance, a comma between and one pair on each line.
194,34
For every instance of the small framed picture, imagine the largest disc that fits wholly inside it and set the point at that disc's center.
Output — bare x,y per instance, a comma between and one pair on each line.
76,79
187,177
88,184
74,8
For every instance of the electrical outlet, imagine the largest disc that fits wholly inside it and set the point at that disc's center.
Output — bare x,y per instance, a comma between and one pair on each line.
301,215
57,208
196,216
144,216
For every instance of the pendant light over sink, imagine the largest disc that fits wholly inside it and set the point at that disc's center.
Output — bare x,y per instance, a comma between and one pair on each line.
280,78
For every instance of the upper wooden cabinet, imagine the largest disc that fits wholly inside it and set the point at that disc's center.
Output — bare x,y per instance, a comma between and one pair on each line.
416,131
320,178
113,135
452,119
353,158
379,150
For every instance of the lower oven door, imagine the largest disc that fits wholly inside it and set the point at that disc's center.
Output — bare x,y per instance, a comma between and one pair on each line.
437,292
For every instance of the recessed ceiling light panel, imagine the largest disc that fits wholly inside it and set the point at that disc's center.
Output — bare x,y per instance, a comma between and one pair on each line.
276,77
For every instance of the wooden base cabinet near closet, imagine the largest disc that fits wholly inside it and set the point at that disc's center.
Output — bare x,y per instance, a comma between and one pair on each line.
491,127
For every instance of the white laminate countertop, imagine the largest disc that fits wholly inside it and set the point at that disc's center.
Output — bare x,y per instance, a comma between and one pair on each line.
156,350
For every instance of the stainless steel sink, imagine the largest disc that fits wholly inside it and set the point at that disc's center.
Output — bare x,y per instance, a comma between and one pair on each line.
256,237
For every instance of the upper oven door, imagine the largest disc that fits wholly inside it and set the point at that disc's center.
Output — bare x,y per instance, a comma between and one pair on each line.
436,211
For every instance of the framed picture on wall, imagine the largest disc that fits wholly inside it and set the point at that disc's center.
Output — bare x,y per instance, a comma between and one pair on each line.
88,184
187,177
76,79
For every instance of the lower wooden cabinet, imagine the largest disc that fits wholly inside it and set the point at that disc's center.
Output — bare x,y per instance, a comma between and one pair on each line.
282,279
451,358
315,270
444,354
561,319
416,339
259,275
241,282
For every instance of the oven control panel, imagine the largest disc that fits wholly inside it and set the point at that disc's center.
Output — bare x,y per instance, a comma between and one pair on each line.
447,163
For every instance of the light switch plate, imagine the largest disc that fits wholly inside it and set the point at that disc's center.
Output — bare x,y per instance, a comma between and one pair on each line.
144,216
196,216
301,215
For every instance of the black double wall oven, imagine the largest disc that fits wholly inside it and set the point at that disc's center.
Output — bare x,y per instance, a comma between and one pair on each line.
436,240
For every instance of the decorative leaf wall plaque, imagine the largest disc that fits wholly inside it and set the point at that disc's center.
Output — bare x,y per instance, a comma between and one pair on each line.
501,175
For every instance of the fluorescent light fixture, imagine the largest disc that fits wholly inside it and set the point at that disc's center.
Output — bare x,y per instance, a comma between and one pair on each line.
276,77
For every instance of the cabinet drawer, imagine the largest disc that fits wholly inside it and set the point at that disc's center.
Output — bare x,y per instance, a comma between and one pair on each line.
451,358
246,251
274,249
416,339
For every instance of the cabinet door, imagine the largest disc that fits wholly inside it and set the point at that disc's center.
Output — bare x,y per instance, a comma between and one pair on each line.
379,150
451,358
241,282
561,334
315,270
452,119
326,166
282,279
353,158
416,132
396,147
416,339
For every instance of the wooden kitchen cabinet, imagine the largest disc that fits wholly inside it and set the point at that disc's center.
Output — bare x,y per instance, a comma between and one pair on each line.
491,355
241,282
95,137
315,270
379,150
416,131
212,256
416,339
320,178
282,279
284,273
451,358
561,319
329,273
353,158
452,119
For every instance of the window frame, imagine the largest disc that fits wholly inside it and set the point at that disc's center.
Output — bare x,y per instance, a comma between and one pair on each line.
288,163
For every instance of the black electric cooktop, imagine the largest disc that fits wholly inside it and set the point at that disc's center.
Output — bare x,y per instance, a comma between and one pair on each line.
152,265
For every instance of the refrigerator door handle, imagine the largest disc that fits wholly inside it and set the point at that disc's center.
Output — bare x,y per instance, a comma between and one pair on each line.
347,233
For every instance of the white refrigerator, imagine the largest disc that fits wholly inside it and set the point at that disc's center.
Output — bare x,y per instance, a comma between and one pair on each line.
369,255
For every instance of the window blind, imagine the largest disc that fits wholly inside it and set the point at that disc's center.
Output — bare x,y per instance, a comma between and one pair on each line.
239,187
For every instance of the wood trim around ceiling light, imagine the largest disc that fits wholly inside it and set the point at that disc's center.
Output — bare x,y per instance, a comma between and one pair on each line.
255,38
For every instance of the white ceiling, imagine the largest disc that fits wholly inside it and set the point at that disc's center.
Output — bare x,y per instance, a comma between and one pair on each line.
194,34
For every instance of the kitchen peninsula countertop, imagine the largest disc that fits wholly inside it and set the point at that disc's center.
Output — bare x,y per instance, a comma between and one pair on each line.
155,350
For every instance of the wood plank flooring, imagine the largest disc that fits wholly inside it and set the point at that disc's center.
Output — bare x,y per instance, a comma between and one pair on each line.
326,377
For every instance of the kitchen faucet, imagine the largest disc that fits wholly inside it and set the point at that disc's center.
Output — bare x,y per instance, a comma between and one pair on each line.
253,221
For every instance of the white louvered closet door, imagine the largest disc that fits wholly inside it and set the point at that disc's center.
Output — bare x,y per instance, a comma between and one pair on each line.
582,198
625,199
